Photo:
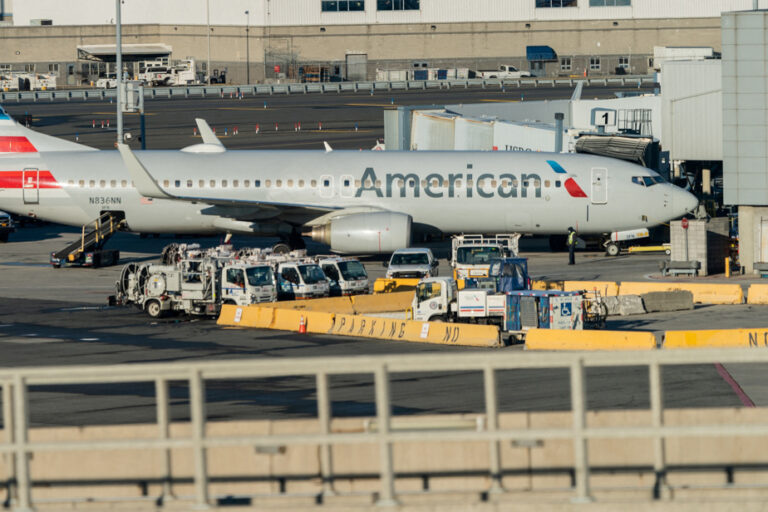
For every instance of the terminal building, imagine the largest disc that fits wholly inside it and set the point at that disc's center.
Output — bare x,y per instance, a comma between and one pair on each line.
264,40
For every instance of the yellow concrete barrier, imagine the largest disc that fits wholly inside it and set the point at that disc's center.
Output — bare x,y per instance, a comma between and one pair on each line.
318,322
703,293
288,319
383,285
556,339
381,302
246,316
446,333
716,338
412,331
757,294
326,304
606,288
547,285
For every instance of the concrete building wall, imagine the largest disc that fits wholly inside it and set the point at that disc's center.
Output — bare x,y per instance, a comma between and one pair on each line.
472,45
745,128
308,12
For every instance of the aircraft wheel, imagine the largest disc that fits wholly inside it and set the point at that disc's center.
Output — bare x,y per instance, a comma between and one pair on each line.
154,309
612,250
281,248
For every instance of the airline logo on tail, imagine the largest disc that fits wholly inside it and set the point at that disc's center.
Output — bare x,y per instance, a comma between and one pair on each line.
13,143
571,186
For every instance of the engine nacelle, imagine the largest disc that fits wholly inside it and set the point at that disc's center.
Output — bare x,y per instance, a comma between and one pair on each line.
365,233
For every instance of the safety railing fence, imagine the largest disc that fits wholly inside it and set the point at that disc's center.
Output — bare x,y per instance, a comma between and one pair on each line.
16,385
220,91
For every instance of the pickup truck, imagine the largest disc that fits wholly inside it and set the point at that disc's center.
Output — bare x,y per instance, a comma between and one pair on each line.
504,71
411,263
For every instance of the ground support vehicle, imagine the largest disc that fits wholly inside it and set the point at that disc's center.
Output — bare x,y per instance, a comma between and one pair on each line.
88,251
619,240
503,299
301,279
471,255
196,286
346,276
411,263
6,226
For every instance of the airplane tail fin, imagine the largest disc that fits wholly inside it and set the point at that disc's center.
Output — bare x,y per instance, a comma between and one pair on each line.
15,138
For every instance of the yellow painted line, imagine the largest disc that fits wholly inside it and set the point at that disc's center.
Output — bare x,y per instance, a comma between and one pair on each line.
377,105
113,113
248,108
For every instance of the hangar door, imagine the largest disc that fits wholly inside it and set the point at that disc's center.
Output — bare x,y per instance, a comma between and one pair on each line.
357,67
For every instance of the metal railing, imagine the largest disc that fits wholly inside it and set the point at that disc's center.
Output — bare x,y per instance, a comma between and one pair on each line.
214,91
15,408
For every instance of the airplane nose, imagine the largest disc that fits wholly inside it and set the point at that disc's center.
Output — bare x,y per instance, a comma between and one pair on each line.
684,202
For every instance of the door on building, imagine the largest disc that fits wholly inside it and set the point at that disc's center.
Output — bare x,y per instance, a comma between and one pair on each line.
763,248
538,68
31,186
599,186
357,67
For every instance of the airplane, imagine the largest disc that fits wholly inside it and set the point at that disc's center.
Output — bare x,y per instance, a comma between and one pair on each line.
356,202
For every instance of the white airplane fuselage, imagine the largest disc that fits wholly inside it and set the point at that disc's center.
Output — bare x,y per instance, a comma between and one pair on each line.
453,191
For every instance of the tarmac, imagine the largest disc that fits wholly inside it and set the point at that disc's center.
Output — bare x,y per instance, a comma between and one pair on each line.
60,316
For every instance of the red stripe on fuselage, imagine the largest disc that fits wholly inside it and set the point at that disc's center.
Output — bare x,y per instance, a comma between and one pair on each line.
14,179
573,188
11,144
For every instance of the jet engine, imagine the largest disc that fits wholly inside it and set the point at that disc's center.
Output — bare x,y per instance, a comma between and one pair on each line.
365,233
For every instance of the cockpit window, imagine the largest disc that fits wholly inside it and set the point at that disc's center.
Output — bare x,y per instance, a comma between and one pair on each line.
647,181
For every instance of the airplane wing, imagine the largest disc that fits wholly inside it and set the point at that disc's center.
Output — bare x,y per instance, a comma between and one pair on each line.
240,209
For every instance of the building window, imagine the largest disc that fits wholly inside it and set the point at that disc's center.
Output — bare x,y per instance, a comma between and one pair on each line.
594,63
342,5
624,62
565,64
53,68
556,3
399,5
609,3
29,68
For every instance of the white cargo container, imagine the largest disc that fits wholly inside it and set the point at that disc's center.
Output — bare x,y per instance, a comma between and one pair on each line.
432,130
473,134
509,136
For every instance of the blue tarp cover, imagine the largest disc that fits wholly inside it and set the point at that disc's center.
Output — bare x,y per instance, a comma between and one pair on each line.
540,53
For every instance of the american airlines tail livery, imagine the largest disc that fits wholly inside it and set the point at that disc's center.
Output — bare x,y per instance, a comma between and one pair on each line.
356,202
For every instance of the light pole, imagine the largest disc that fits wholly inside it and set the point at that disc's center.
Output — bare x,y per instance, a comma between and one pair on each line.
247,50
119,71
208,33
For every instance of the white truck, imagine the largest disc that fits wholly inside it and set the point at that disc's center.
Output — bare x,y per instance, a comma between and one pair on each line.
346,276
108,81
195,286
471,255
161,73
504,71
413,262
301,279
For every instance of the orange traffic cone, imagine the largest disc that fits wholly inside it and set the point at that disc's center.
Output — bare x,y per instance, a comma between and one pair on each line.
302,325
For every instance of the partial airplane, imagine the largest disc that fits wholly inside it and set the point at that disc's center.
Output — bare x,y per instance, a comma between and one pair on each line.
356,202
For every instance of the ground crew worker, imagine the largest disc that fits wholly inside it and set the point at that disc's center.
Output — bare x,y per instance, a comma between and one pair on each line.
571,246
